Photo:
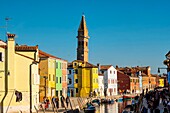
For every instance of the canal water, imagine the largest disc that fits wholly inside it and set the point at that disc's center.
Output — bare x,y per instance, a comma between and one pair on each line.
117,107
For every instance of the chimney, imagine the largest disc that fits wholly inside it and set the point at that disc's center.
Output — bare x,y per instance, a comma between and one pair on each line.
11,60
98,65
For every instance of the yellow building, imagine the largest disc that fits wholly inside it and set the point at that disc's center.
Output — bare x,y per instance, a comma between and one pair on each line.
47,75
85,78
18,77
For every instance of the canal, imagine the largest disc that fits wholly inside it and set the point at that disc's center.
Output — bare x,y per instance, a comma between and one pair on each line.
117,107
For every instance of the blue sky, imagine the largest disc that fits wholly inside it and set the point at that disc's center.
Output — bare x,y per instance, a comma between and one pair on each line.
122,32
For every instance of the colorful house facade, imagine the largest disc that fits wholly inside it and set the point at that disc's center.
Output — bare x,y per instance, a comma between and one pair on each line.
101,84
110,79
123,82
71,90
85,78
61,77
47,75
18,76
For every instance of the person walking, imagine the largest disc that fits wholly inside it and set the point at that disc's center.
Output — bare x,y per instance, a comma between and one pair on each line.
67,101
57,102
62,99
53,103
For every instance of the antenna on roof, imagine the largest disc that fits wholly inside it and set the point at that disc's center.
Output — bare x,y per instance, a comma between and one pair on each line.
7,32
7,19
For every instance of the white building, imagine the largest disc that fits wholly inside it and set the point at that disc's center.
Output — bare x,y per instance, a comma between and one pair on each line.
110,79
101,84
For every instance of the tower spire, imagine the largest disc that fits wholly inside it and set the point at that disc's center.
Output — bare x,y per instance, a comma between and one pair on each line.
83,27
82,49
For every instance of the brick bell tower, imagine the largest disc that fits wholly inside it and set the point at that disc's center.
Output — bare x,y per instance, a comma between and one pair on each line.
82,49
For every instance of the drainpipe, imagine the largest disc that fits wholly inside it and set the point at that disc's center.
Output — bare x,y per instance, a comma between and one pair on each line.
6,86
34,62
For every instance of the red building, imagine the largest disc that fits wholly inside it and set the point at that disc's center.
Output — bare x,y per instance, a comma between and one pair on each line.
123,82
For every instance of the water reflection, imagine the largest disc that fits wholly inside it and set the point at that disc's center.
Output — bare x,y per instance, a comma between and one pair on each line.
117,107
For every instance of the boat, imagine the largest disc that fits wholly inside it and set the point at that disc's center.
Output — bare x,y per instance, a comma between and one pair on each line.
110,101
128,97
96,101
128,109
103,100
120,100
90,109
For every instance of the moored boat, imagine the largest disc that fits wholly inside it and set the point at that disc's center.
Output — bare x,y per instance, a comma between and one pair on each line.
90,109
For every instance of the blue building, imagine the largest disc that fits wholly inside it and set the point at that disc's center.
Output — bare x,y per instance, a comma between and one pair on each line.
70,84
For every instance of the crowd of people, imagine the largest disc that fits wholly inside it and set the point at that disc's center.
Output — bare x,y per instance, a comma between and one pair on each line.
154,102
55,102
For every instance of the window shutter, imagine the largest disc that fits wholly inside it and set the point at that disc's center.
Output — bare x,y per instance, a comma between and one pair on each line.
3,56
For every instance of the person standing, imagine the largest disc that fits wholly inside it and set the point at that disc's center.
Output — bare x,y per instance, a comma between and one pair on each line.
53,103
62,99
57,102
67,101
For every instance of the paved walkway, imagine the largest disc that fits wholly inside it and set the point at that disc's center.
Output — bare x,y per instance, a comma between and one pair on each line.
76,103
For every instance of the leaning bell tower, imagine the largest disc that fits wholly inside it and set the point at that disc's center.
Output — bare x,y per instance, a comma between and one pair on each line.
82,48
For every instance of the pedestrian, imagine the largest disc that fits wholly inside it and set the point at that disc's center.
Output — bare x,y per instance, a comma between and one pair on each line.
53,103
67,101
47,103
44,103
57,102
62,99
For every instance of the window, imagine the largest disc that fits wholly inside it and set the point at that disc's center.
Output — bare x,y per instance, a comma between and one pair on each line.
76,81
60,79
114,89
110,71
61,93
57,65
96,80
69,71
77,90
69,81
60,65
75,64
93,80
76,71
49,77
57,93
53,78
86,43
56,79
0,56
108,81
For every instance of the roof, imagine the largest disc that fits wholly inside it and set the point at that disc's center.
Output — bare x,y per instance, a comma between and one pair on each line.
26,48
134,71
43,54
87,64
105,67
22,48
120,73
100,74
2,42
